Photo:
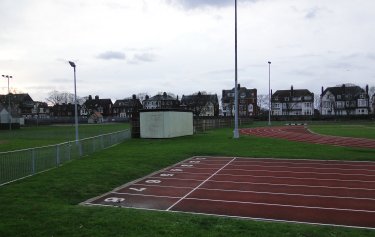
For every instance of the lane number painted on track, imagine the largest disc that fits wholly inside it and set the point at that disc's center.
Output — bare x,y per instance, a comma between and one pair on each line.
166,175
187,165
194,161
114,199
153,181
176,170
138,189
199,158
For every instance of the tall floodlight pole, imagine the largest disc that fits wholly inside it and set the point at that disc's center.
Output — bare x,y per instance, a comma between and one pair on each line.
9,108
235,132
75,100
269,93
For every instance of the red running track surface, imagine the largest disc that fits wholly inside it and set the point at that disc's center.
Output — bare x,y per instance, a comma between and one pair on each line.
304,191
302,134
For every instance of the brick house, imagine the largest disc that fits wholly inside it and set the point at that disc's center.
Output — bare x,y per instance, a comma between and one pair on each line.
247,102
125,108
103,106
63,110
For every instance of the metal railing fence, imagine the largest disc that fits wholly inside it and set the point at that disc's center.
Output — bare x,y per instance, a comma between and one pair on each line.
19,164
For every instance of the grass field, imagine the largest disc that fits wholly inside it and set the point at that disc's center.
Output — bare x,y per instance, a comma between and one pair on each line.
346,130
27,137
47,204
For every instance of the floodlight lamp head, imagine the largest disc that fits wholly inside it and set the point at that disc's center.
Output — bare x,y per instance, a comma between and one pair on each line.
72,64
269,62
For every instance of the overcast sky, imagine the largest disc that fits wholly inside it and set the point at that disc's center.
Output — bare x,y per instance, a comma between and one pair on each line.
125,47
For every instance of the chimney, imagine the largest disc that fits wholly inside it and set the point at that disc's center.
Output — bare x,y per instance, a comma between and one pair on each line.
90,97
96,97
322,90
134,97
291,91
238,86
366,89
165,94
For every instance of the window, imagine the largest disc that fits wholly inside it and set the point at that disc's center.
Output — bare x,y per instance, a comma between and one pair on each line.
339,97
286,98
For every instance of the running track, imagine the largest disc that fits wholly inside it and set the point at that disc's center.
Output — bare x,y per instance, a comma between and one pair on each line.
303,191
302,134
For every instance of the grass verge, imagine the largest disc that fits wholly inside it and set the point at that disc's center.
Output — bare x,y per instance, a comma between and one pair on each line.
47,204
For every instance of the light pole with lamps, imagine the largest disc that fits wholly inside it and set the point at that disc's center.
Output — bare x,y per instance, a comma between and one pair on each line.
269,93
235,132
75,100
9,108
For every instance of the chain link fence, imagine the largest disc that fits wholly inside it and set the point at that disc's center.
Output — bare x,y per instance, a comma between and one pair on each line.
19,164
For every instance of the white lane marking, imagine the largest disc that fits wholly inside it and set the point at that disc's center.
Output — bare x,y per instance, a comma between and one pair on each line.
281,205
148,195
239,217
200,185
286,184
295,185
300,178
306,162
302,172
257,192
301,167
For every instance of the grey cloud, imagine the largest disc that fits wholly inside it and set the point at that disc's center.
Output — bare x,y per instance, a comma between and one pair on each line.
108,55
194,4
311,13
145,57
371,56
142,57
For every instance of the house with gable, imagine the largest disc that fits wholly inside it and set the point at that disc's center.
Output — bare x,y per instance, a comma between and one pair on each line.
22,103
12,117
124,108
344,100
201,104
103,106
247,102
161,101
293,102
373,104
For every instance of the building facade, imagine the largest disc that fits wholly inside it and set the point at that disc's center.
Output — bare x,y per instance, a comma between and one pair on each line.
161,101
103,106
247,102
344,100
125,108
201,104
292,102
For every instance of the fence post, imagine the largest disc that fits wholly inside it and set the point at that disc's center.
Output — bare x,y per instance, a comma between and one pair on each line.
57,155
33,161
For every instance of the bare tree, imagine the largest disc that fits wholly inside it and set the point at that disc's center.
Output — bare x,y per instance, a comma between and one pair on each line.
371,91
317,102
263,102
57,97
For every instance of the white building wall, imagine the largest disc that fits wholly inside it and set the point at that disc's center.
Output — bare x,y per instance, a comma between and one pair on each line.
166,124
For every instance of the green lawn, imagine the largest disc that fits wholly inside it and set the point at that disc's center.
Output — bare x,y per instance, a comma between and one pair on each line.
47,204
27,137
366,130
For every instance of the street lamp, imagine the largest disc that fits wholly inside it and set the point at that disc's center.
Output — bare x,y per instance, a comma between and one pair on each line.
235,132
9,108
269,93
75,100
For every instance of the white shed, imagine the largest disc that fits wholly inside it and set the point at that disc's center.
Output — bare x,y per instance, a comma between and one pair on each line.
166,123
